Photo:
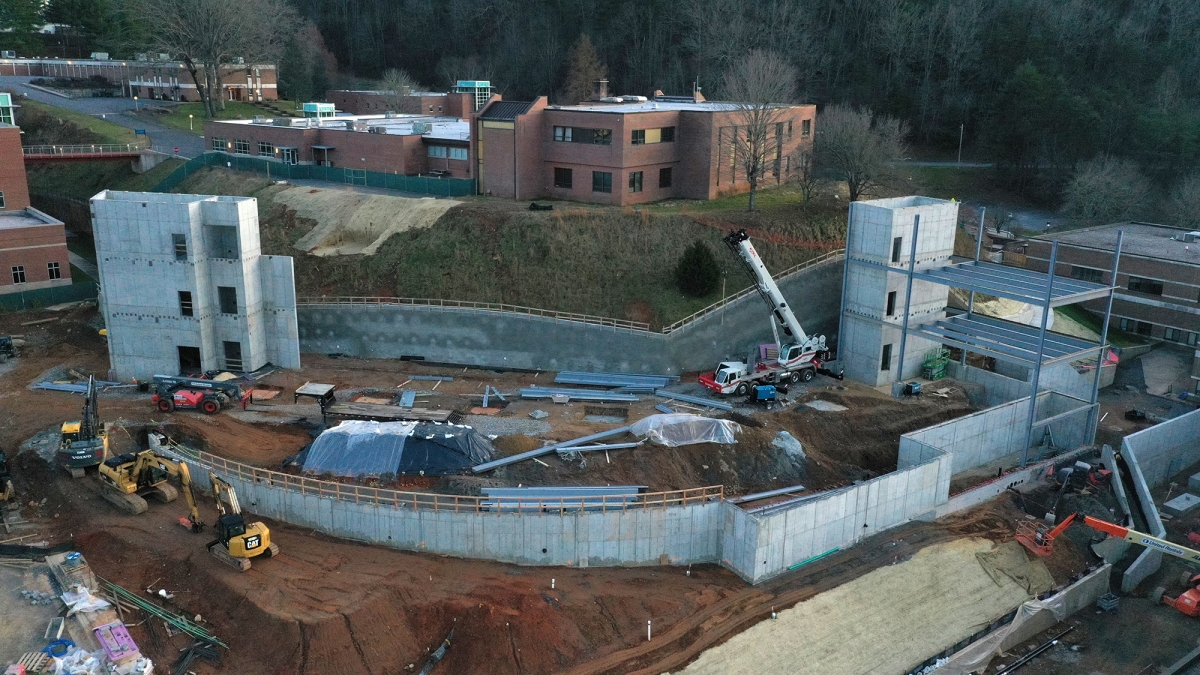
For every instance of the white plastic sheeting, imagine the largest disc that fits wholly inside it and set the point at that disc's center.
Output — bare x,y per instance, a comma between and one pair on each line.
357,448
683,429
82,600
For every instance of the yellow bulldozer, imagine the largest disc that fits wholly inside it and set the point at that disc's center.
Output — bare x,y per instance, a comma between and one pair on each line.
237,542
128,479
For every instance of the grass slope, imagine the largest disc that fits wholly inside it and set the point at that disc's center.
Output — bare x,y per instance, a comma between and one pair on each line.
82,180
107,131
178,115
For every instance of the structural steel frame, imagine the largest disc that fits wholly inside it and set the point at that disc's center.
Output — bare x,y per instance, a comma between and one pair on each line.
1028,346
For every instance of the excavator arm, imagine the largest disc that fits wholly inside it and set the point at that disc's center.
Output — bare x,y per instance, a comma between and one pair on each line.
221,488
179,470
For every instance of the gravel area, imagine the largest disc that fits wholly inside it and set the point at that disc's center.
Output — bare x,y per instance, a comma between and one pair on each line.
505,426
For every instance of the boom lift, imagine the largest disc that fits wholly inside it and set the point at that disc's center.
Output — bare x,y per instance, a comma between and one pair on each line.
1187,602
237,542
84,443
801,355
183,393
128,479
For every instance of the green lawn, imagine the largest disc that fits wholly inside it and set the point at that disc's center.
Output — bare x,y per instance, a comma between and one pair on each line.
1116,337
178,117
82,180
108,132
78,276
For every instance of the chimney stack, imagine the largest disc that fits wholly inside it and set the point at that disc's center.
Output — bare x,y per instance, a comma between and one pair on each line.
601,89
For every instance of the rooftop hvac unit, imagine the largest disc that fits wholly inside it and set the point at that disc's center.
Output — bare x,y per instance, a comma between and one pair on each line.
1190,237
284,121
164,57
351,125
258,119
238,61
141,56
8,54
633,99
99,56
421,128
377,130
389,114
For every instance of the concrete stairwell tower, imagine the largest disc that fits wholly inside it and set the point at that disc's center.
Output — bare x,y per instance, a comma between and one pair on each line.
879,239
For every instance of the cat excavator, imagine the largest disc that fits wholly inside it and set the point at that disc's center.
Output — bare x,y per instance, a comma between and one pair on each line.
237,542
128,479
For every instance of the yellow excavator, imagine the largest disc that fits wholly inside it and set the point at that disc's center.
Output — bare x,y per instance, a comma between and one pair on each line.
84,443
237,542
128,479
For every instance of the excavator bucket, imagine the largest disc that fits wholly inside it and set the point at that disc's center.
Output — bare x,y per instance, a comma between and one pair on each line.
189,524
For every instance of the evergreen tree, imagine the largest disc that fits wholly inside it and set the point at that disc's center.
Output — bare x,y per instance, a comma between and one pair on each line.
295,73
584,69
697,273
19,21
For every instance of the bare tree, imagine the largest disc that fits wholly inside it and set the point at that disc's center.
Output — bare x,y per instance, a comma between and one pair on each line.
209,35
1105,190
860,146
1183,207
804,172
759,85
395,85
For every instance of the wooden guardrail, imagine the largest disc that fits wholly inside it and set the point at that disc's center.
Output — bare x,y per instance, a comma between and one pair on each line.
432,501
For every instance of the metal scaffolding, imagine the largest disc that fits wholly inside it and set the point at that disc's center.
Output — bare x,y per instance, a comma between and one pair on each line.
1029,346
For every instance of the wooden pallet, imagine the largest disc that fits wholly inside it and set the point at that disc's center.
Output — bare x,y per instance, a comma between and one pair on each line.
34,662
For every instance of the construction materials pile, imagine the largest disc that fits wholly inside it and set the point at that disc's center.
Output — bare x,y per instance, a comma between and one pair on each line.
358,449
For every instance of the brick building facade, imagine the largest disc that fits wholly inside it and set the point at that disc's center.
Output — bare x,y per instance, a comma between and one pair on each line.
622,151
1158,281
398,144
153,79
33,246
407,102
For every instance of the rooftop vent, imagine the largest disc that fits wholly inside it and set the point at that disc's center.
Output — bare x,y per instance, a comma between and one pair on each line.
377,130
1190,237
422,128
259,119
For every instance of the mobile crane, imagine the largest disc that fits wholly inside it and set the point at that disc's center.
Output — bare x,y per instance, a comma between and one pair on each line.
183,393
801,356
1188,602
237,542
84,443
128,479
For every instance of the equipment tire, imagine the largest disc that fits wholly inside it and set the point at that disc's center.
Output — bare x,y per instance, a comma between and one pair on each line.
166,405
210,407
1156,595
807,374
742,389
793,377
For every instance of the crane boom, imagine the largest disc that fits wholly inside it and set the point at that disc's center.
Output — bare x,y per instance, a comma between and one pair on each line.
1142,539
783,319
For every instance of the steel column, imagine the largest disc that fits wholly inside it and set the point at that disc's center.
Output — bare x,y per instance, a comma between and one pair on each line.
912,263
1112,285
978,245
1037,364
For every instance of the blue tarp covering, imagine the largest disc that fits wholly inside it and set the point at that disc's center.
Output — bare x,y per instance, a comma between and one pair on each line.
357,449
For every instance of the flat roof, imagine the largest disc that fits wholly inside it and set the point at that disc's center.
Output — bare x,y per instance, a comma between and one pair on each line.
439,128
1142,239
164,197
387,92
653,106
30,217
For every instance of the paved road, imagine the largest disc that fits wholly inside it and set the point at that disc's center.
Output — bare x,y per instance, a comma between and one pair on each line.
118,111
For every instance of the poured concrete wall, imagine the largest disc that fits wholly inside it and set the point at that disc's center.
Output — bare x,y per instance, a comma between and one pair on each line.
988,435
511,340
758,548
999,388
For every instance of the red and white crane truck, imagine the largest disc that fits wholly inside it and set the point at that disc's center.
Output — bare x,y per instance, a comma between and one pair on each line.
801,356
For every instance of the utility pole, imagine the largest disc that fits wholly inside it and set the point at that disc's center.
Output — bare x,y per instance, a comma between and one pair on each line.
960,137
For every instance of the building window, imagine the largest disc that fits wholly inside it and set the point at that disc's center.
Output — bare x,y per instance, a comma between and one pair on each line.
668,134
53,271
18,272
1134,326
289,155
664,177
180,242
562,134
185,303
891,303
639,137
437,151
789,135
1,200
227,297
1148,286
635,181
805,128
1087,274
218,144
885,363
241,146
233,356
1181,336
897,242
601,181
458,153
601,136
562,178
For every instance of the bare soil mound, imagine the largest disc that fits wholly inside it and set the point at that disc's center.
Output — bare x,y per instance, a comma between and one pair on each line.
352,222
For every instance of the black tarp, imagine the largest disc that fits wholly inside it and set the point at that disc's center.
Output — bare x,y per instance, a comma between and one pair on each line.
358,448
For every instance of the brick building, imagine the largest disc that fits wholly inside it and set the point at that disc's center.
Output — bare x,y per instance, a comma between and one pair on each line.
33,246
153,78
388,143
1158,282
407,102
625,150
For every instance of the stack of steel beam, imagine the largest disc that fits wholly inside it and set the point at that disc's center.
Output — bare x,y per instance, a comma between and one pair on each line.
615,380
578,394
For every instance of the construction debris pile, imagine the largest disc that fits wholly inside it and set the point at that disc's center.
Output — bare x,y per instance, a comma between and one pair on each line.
357,449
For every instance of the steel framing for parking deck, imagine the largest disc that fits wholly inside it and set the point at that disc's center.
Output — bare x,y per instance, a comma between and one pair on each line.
1007,340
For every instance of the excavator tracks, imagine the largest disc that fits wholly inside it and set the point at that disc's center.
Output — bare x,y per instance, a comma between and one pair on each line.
219,552
164,492
131,504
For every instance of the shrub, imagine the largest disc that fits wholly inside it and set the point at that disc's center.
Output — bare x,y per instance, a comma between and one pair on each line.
697,273
1107,190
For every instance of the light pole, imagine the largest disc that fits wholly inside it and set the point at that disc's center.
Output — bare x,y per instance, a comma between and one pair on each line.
960,136
135,104
190,127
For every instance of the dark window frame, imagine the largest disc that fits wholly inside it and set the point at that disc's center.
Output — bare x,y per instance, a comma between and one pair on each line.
53,270
897,248
179,241
186,307
602,181
891,303
1144,285
636,179
1087,274
637,137
805,128
562,172
664,173
227,299
18,274
233,363
668,135
885,359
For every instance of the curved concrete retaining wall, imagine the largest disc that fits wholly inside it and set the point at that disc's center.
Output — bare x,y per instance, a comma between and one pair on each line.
511,340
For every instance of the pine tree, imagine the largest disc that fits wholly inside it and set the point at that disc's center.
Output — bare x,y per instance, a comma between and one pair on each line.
697,273
584,69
